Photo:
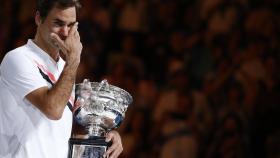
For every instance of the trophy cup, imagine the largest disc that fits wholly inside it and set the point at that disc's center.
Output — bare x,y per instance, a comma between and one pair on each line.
102,108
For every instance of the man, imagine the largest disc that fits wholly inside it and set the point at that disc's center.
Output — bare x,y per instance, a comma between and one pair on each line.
36,82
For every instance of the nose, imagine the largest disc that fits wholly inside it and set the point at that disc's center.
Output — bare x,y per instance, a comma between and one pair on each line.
64,31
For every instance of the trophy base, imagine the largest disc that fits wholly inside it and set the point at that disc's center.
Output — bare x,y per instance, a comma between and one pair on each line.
93,147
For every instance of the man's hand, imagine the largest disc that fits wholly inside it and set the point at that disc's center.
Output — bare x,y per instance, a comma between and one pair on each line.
52,101
116,148
71,47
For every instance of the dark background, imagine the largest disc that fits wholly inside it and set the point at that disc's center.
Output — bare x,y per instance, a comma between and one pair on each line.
204,74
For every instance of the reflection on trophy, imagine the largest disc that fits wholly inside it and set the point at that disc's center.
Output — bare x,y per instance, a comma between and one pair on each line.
102,108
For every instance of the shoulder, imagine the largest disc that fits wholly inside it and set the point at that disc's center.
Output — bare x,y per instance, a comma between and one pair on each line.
17,55
16,61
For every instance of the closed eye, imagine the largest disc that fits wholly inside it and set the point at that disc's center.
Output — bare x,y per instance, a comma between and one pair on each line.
59,23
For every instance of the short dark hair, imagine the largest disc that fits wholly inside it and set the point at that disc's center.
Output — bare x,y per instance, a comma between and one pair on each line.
44,6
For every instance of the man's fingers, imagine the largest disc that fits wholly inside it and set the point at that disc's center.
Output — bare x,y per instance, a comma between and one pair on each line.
58,42
113,151
115,154
116,148
109,137
73,29
76,34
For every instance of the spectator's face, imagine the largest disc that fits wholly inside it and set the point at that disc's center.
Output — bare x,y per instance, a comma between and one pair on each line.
58,21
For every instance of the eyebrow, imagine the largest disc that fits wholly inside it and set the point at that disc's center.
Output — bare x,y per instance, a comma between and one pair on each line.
61,22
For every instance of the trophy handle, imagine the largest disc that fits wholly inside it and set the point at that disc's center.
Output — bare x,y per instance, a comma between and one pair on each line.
103,84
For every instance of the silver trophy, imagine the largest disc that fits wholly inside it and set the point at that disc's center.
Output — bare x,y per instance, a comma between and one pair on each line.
102,108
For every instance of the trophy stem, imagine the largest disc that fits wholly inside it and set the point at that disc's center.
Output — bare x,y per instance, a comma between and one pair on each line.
96,130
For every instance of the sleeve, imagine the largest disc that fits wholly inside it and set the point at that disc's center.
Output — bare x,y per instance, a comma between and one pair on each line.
20,74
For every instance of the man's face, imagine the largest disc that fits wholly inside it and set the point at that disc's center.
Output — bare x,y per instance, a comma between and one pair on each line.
58,21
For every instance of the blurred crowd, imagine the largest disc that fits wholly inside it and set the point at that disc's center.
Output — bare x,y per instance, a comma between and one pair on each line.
204,74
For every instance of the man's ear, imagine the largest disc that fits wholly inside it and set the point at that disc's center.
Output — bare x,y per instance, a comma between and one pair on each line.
38,19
